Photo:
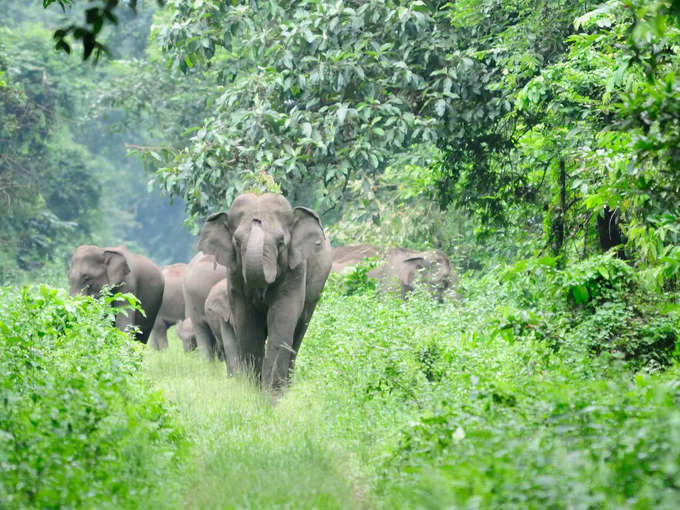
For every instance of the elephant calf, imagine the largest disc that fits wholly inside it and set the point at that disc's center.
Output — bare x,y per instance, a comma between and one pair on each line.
351,255
185,332
172,307
93,268
202,272
218,314
402,268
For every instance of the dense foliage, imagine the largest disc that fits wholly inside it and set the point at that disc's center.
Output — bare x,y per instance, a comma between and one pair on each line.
543,115
80,426
518,395
536,388
65,178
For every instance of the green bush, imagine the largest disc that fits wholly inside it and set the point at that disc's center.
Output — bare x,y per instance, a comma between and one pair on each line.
79,424
598,279
499,399
357,280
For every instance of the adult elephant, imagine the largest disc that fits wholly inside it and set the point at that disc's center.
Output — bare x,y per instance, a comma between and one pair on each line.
202,272
172,307
278,258
403,268
351,255
92,268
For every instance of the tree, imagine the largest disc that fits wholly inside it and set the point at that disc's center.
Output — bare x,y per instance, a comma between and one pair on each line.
313,93
99,14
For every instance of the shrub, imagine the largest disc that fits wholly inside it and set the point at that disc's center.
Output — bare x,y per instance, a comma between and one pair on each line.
357,280
598,279
79,425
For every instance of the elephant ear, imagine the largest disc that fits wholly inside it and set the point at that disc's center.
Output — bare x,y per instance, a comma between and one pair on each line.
117,268
216,239
307,236
413,265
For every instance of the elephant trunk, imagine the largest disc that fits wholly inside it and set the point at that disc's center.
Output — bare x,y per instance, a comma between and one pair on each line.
259,268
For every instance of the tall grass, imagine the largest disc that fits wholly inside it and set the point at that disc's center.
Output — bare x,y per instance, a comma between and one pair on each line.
245,452
516,395
496,400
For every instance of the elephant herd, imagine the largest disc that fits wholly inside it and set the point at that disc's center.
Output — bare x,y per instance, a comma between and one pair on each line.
248,295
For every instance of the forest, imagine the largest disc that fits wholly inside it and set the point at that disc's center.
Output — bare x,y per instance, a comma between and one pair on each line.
529,148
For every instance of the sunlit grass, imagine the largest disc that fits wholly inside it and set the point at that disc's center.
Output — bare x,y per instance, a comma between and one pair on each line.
245,453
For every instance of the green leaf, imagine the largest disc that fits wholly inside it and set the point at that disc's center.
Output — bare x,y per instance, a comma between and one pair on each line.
580,294
440,107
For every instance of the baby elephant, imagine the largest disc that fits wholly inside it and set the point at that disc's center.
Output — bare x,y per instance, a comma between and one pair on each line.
218,314
202,272
185,332
402,268
93,268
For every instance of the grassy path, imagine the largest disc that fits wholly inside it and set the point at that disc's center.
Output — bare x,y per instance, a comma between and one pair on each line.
244,453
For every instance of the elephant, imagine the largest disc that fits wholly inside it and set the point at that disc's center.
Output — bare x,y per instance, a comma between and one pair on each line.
217,313
172,307
92,268
185,332
351,255
202,272
403,268
278,259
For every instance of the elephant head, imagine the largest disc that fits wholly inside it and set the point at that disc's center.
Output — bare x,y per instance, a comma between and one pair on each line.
261,238
185,332
92,268
405,268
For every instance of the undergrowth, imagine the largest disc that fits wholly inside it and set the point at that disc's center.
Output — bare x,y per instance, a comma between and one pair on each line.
531,387
80,426
518,395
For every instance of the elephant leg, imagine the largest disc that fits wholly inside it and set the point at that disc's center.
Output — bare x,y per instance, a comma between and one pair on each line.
124,319
282,321
159,335
205,340
144,327
250,331
300,330
231,351
219,350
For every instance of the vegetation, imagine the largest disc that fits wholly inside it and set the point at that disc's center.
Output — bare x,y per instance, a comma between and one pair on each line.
80,425
538,401
536,143
65,179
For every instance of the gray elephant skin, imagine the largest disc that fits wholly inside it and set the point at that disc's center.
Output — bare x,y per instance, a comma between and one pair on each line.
172,307
92,268
185,332
278,259
202,272
217,313
403,268
351,255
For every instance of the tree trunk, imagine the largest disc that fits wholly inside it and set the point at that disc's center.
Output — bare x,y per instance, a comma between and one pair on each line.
609,231
557,222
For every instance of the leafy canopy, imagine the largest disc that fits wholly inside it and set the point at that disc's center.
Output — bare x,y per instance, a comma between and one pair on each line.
316,90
